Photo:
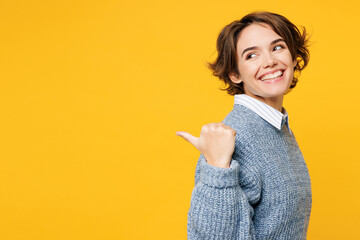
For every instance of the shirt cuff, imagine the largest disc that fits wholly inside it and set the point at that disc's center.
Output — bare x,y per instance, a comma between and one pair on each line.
219,177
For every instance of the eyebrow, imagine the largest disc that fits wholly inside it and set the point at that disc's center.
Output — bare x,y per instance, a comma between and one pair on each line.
272,43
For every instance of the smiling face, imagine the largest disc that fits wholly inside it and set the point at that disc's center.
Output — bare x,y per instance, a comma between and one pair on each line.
265,64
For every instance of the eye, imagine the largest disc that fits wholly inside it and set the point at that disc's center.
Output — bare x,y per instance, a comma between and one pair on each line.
278,47
251,55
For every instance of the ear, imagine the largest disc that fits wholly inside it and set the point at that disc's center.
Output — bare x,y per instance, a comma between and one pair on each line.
295,62
234,78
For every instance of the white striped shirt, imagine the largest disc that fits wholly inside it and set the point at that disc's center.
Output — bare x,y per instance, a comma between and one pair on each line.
268,113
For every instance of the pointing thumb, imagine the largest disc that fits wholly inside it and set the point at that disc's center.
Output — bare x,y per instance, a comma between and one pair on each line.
188,137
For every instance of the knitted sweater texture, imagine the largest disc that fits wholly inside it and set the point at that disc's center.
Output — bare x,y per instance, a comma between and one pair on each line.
266,192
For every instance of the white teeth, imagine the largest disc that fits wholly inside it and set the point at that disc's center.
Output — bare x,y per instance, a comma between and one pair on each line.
269,76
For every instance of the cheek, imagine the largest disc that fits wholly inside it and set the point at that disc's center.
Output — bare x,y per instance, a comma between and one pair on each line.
287,58
247,69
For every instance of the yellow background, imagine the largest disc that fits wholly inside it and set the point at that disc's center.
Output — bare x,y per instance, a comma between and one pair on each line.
92,93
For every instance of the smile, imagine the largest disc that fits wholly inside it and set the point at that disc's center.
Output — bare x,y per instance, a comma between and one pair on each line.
271,76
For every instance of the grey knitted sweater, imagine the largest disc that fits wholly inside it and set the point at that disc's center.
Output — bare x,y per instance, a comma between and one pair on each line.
266,192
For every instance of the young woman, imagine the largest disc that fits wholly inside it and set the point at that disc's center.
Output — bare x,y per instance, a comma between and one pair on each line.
251,179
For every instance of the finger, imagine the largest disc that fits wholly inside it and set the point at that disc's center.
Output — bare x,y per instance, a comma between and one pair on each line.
188,137
230,128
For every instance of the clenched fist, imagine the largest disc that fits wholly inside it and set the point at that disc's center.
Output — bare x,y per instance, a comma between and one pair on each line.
216,143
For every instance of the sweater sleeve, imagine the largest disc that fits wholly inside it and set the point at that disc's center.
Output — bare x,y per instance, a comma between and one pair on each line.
219,207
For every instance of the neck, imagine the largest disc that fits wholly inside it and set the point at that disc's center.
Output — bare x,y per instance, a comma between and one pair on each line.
275,102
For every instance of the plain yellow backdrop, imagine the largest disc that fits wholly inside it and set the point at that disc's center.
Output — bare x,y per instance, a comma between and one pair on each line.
92,93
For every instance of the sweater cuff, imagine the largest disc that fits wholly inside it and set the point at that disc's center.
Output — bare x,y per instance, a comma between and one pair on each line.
219,177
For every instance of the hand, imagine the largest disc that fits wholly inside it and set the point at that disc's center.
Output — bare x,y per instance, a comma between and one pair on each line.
216,143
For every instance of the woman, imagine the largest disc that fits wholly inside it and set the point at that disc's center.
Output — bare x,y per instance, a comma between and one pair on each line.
251,179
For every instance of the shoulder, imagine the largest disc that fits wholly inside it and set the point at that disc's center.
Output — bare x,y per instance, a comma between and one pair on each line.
251,133
245,122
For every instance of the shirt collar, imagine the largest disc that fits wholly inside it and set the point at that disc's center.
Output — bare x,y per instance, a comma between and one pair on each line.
268,113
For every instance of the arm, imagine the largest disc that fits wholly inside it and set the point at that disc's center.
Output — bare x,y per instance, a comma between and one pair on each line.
219,207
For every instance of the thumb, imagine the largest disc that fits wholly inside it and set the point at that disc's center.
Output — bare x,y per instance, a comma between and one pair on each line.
188,137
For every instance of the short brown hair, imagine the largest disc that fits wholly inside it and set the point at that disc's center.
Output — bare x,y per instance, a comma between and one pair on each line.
226,61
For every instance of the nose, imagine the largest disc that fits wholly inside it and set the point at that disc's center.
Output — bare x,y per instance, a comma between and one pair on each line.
269,60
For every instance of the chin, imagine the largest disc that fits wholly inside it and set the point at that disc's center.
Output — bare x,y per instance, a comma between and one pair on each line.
276,92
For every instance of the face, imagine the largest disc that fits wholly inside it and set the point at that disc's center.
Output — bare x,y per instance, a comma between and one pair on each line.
264,62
